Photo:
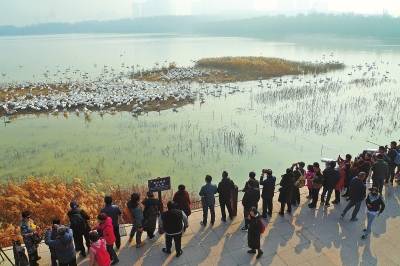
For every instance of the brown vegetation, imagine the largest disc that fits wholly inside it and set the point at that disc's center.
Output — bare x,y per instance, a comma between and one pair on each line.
49,198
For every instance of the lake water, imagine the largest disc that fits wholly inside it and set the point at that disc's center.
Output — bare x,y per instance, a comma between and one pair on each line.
280,122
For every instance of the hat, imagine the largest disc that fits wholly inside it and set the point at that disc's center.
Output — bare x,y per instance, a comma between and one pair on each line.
74,204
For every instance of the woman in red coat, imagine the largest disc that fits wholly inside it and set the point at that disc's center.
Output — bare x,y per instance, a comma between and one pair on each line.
106,230
181,198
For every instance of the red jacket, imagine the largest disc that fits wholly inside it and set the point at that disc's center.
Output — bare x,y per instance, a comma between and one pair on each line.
342,173
107,230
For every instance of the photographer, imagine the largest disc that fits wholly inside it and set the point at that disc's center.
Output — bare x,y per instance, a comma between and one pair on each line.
63,245
267,180
299,181
30,237
331,177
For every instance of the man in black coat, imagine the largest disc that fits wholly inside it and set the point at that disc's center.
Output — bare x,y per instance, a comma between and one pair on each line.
267,180
174,223
357,192
79,223
331,177
225,188
286,191
250,198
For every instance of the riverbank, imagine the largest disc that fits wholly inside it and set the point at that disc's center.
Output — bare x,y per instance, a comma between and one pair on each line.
236,69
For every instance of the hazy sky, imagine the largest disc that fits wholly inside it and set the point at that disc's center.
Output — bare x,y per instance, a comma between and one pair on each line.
22,12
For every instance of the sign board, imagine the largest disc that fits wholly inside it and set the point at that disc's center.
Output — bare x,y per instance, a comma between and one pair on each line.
159,184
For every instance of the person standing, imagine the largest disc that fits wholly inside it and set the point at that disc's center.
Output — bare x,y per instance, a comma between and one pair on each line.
254,233
53,236
356,196
250,198
151,211
380,172
346,166
317,182
375,206
267,180
207,193
114,213
173,222
286,191
182,199
106,231
98,255
331,178
30,237
79,223
309,175
392,154
137,217
225,188
63,246
299,181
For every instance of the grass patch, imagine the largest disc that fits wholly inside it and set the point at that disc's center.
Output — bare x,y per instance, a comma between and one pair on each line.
234,69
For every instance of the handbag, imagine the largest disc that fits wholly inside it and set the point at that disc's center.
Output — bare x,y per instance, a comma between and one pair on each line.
122,230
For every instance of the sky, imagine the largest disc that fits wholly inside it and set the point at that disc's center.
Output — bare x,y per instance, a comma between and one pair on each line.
25,12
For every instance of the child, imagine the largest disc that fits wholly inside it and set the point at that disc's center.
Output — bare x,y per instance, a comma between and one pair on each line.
106,230
98,255
254,232
375,206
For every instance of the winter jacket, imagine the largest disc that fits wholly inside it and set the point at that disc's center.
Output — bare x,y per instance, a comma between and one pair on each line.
27,228
207,193
375,203
331,177
79,221
98,255
251,194
309,177
63,246
225,188
150,213
136,213
106,230
254,232
182,199
357,190
268,184
113,212
342,177
173,222
286,189
380,170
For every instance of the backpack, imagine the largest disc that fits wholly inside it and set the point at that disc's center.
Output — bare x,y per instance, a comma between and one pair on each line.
301,182
262,225
77,222
102,256
397,158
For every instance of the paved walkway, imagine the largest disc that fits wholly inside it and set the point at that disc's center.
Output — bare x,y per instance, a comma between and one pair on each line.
307,237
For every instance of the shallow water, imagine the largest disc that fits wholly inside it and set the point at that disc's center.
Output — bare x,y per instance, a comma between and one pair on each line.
276,128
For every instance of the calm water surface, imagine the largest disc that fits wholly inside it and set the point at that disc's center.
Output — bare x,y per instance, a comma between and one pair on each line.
303,119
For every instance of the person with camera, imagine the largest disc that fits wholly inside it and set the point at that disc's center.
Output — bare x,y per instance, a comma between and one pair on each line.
225,188
299,181
31,237
317,182
63,245
267,180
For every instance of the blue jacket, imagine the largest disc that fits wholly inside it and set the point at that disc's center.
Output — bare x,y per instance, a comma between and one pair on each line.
207,193
63,247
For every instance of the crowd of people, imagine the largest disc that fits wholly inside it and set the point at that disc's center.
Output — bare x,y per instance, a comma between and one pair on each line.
341,175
